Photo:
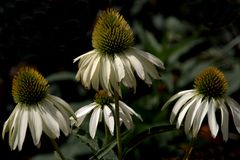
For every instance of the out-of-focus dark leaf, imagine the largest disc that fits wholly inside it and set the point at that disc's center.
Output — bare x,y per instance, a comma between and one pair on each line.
61,76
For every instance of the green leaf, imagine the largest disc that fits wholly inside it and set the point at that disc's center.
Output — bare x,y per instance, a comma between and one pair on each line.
190,69
92,143
132,138
135,139
105,150
234,84
173,52
60,76
71,148
57,156
167,52
101,153
148,40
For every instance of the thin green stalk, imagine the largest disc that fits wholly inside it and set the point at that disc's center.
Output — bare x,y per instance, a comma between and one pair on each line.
56,147
107,135
136,138
189,150
117,122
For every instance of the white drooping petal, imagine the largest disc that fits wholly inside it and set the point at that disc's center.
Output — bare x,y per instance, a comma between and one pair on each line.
94,64
85,59
83,63
108,118
94,69
83,55
13,137
128,110
50,125
106,70
126,118
86,74
224,119
184,110
35,125
176,96
48,115
129,80
95,77
201,113
101,77
63,122
94,121
136,64
22,126
114,82
6,126
192,112
79,121
180,102
235,110
61,105
85,109
150,70
149,67
213,125
151,58
120,71
9,122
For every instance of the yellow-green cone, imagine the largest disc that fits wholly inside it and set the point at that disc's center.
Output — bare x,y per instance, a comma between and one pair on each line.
103,98
29,86
211,83
112,34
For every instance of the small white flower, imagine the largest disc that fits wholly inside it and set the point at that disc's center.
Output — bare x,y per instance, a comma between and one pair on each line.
207,97
113,59
105,106
35,108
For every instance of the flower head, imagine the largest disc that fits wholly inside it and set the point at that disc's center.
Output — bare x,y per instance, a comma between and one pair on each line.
35,108
114,60
104,106
208,96
112,34
29,86
211,83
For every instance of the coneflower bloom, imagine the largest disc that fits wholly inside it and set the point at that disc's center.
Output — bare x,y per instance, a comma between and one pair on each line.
35,108
104,106
114,59
208,96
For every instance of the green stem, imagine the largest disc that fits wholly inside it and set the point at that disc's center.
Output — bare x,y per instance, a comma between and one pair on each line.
107,137
56,147
131,139
137,138
117,122
189,150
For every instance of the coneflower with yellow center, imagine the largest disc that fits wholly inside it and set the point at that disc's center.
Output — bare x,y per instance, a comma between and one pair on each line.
35,108
208,96
114,60
104,105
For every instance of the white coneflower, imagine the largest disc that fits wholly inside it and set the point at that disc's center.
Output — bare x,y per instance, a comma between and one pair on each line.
35,108
114,59
208,96
104,105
